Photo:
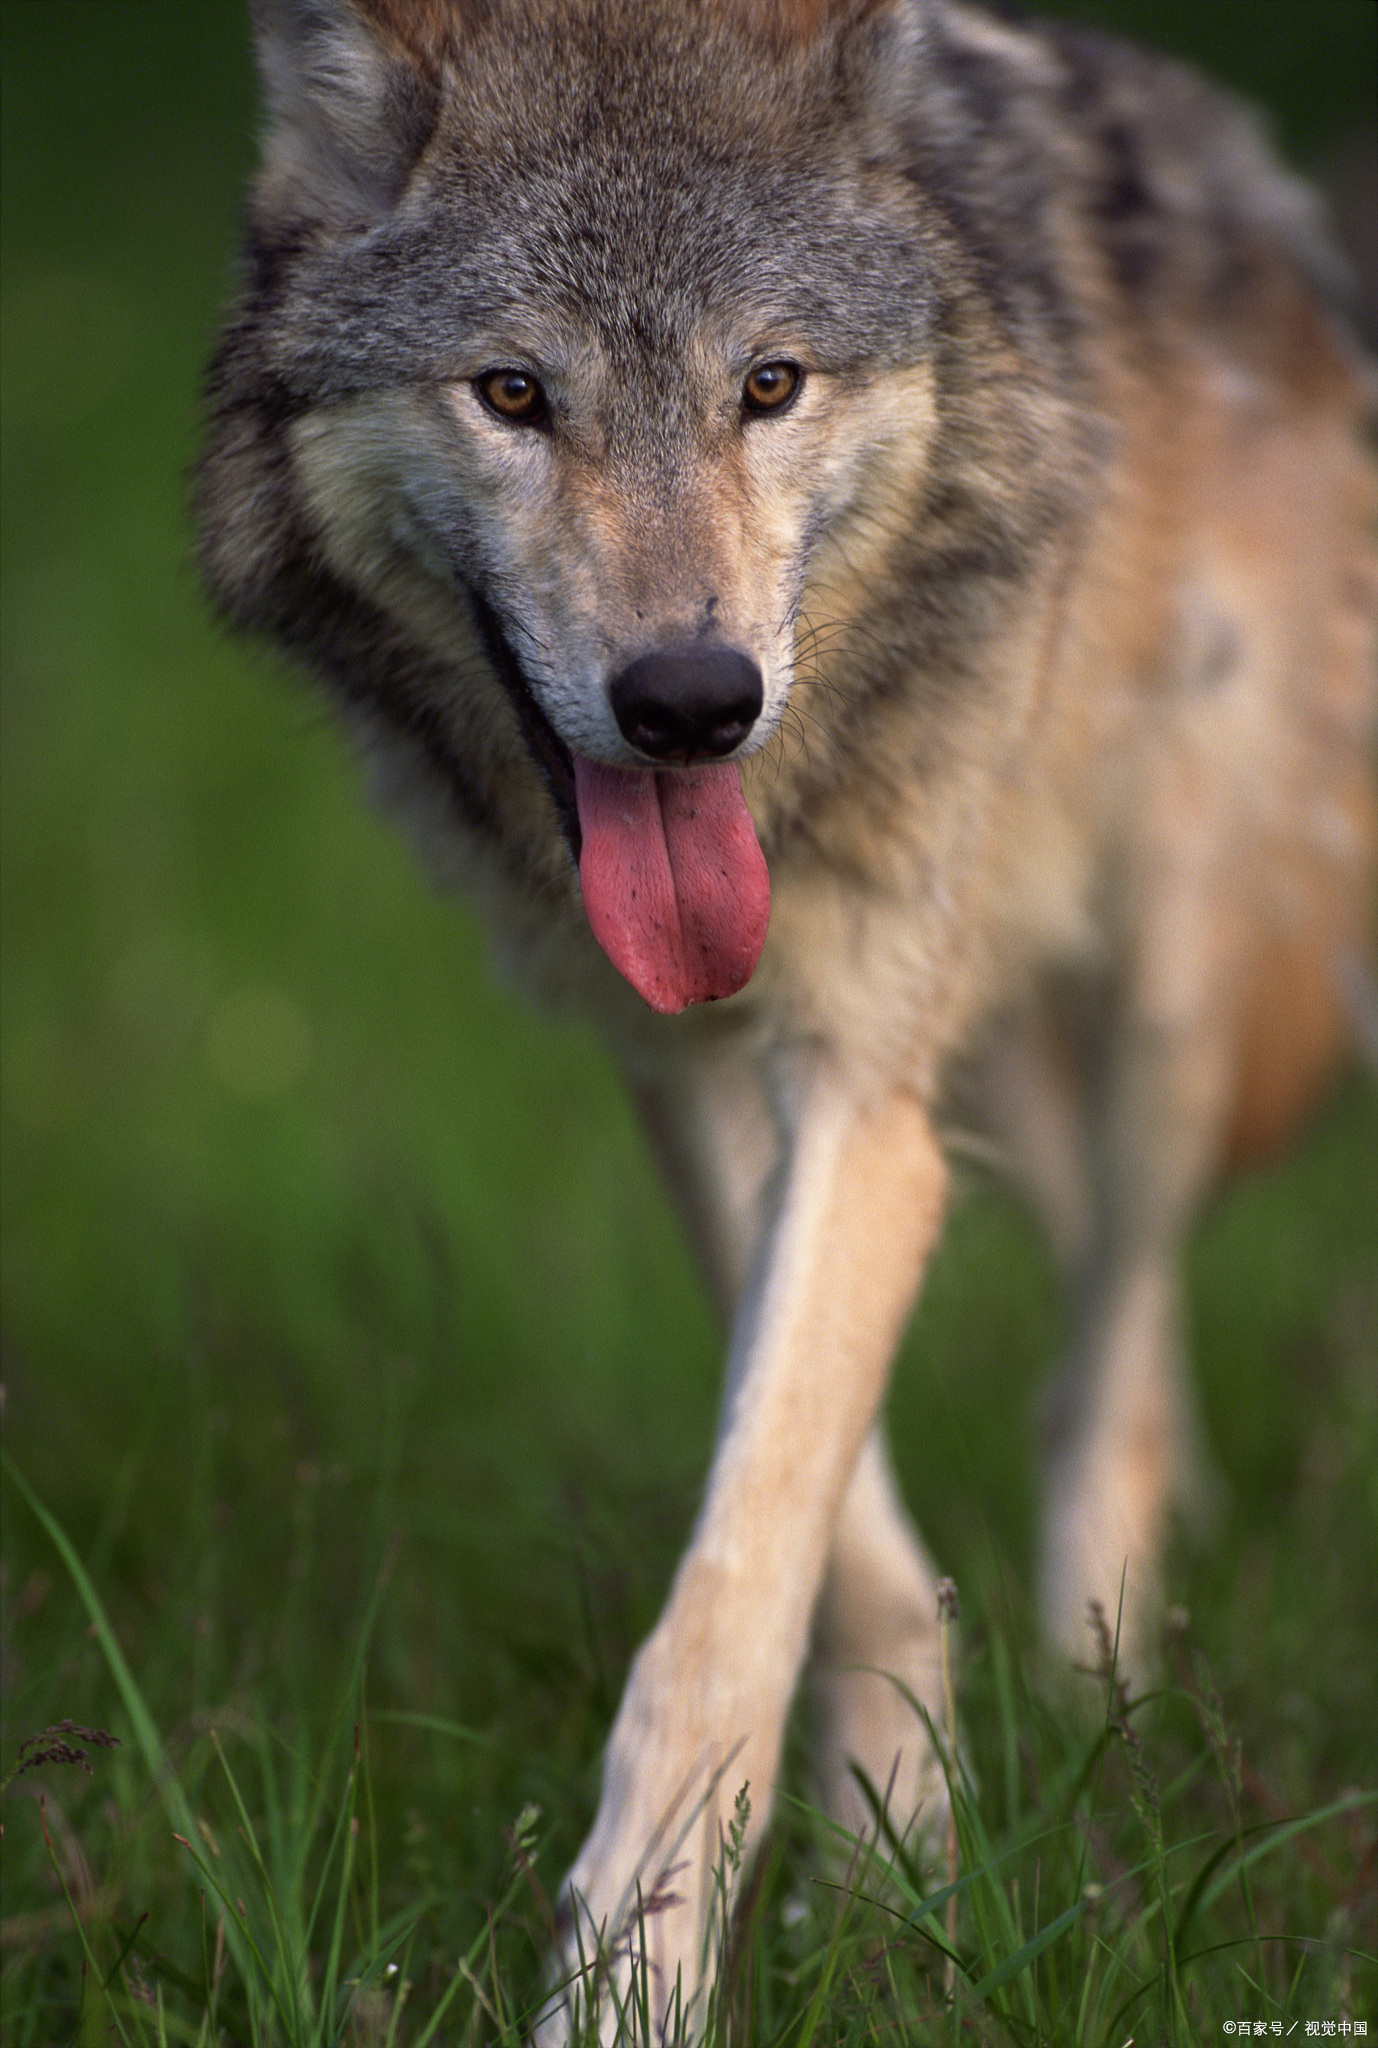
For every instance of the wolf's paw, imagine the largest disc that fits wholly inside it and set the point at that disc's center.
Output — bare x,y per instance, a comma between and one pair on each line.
641,1981
639,1945
645,1910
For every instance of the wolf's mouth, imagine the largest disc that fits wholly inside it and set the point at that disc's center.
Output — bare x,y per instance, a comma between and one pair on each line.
674,882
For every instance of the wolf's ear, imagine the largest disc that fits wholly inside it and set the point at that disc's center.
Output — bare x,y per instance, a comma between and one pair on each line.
883,50
350,108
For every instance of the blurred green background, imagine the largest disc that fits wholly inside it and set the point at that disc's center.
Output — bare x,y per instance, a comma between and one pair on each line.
313,1235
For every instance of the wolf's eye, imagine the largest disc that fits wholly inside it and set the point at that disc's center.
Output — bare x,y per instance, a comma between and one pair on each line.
771,386
513,396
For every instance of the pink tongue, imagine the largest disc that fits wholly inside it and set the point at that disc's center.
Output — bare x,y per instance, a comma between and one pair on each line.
675,884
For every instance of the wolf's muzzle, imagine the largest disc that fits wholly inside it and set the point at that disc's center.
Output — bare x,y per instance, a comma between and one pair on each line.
694,705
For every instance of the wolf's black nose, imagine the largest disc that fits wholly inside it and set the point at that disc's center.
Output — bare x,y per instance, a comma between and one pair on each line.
687,706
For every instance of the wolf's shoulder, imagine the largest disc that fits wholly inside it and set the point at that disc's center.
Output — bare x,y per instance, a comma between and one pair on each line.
1168,177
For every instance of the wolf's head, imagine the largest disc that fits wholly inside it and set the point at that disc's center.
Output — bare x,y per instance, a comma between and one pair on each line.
573,325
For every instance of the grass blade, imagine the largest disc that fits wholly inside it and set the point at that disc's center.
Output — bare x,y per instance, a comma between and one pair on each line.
140,1720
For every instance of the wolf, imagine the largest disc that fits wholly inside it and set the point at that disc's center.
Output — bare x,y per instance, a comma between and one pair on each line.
847,526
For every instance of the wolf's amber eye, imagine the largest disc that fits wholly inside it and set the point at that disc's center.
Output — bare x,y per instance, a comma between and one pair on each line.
514,396
771,386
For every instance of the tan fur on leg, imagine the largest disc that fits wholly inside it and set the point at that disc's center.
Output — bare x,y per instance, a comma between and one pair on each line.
875,1644
861,1208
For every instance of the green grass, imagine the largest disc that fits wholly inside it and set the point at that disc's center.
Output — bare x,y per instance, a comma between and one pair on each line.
350,1344
259,1873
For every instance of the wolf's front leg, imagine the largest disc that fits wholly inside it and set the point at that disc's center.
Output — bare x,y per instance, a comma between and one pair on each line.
877,1658
705,1704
